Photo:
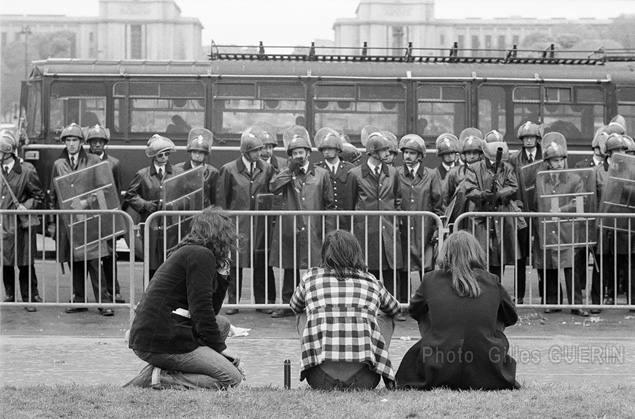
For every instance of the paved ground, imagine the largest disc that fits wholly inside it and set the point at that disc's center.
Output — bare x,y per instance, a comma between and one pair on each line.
51,347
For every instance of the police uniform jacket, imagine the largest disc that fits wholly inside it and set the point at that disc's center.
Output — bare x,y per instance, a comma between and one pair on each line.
612,242
340,198
62,166
421,193
25,184
442,173
210,180
518,160
147,188
456,203
479,178
368,193
551,233
300,236
238,190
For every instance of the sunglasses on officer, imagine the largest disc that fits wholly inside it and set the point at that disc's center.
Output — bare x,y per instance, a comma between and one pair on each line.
163,154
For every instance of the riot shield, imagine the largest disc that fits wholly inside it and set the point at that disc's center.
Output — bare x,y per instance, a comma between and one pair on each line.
566,191
619,192
528,182
183,192
92,188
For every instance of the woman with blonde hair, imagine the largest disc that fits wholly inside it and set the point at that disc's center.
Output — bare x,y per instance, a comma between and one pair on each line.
462,311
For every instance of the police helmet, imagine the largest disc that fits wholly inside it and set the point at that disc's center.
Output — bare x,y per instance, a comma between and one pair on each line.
554,144
350,153
294,137
268,134
447,143
328,138
73,130
470,132
97,131
374,140
529,129
158,144
250,139
616,142
7,142
200,139
472,143
393,143
490,150
493,136
413,142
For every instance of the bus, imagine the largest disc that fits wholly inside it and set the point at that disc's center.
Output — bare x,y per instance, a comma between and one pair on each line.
573,93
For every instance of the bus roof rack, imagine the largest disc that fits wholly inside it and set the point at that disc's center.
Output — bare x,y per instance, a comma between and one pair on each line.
409,54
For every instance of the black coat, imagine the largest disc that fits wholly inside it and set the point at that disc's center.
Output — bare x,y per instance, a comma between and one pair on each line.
187,280
462,342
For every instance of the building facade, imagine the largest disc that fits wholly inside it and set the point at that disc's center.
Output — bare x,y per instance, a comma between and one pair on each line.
393,23
124,29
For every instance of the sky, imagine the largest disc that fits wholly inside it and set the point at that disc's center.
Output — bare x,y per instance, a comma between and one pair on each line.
298,22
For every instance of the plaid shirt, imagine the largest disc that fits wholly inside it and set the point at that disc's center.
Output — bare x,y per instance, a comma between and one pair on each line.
342,319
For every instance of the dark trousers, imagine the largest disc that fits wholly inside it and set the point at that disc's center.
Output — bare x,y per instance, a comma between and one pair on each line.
8,277
550,278
290,281
235,285
110,271
93,268
390,279
521,278
604,284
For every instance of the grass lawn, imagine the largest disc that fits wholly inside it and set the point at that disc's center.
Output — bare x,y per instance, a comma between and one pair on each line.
534,401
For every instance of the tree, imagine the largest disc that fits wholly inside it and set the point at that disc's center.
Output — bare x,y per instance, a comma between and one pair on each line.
40,46
622,30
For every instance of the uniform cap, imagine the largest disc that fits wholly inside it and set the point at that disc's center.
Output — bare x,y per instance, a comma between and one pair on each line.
158,144
554,144
413,142
529,129
374,139
470,132
97,131
200,139
490,149
73,130
328,138
294,137
493,136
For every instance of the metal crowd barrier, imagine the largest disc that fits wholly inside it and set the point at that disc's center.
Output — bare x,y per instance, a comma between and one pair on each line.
276,252
88,230
595,250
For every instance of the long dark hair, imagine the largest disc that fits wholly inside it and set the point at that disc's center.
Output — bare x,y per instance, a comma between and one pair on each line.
342,253
214,229
461,254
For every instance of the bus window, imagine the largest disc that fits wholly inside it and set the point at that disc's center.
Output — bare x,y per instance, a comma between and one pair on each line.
626,106
81,102
168,107
442,107
491,109
34,110
526,105
241,105
575,112
349,107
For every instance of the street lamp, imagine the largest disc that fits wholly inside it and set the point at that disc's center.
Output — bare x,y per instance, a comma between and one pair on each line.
26,31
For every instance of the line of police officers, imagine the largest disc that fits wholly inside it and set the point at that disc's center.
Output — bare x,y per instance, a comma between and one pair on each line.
483,178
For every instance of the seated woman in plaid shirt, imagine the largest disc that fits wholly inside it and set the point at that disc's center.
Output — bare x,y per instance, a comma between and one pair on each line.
345,339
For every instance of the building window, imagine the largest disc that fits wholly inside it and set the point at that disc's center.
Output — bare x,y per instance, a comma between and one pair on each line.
515,39
501,42
136,42
91,37
488,41
442,40
4,39
397,38
475,42
461,41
